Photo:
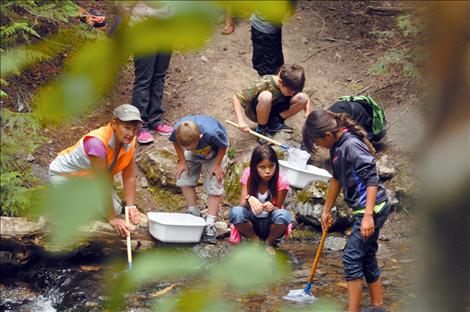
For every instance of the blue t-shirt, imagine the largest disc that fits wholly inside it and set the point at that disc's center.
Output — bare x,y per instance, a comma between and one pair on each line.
213,137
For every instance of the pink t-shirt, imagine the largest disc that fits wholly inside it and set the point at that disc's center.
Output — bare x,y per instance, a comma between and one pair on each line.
282,183
94,147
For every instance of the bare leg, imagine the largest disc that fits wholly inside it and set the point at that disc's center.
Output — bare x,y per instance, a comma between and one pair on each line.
276,231
263,108
213,205
189,193
376,293
228,17
246,229
354,293
298,103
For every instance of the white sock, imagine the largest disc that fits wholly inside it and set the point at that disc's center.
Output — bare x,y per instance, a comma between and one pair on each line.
195,210
210,220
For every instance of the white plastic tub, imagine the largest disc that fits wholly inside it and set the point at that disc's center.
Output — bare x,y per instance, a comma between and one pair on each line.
300,177
175,227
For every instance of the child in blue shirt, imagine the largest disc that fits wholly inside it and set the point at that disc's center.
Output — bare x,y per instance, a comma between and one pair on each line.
201,141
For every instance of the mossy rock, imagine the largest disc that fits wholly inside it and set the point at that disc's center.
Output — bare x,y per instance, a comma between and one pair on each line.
166,200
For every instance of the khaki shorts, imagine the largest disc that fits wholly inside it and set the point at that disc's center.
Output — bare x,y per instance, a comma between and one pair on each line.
195,165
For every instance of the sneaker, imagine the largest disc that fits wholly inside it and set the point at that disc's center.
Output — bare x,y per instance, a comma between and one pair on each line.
211,234
264,132
144,137
164,129
277,124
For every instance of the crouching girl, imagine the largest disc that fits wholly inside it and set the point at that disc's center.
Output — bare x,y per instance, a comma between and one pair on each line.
260,215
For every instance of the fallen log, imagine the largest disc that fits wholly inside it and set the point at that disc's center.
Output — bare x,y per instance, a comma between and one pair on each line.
383,11
21,239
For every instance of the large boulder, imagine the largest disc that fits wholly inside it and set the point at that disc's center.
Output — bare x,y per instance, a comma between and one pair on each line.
307,205
159,167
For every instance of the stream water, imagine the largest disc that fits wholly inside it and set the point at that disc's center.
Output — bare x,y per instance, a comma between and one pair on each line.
76,284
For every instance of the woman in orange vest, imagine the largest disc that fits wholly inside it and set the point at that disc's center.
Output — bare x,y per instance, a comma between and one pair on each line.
109,149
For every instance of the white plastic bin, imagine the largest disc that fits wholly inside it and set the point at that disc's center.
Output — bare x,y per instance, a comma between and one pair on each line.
175,227
300,177
298,158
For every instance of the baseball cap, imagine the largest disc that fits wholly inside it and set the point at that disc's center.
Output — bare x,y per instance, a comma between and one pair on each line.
127,112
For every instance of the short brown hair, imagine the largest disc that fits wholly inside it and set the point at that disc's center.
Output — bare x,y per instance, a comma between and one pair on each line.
292,77
187,133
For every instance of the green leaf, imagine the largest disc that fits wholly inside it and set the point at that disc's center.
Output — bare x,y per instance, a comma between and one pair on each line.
251,268
204,299
274,11
152,266
92,72
74,203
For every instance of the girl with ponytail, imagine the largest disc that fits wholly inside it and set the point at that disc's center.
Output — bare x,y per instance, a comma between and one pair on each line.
354,171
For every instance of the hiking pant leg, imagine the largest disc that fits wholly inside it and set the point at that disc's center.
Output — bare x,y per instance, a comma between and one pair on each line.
370,267
155,109
143,71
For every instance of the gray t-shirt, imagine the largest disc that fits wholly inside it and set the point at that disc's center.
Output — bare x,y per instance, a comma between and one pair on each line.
263,25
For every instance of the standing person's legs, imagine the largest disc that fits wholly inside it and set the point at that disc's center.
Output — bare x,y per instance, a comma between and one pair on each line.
144,70
188,180
370,267
267,52
155,109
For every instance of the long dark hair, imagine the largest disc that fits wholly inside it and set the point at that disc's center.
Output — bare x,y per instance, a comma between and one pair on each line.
321,121
262,152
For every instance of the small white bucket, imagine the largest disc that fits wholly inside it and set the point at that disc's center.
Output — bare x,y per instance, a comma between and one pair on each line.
175,227
298,158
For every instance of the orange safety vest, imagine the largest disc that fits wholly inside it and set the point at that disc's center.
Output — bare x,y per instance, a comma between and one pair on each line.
74,161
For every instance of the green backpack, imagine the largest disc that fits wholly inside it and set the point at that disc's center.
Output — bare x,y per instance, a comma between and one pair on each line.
375,110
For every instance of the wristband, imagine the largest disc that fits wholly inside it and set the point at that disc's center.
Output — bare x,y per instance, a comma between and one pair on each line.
131,206
247,197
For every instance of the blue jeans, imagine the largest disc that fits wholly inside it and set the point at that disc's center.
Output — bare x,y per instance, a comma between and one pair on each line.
261,226
359,256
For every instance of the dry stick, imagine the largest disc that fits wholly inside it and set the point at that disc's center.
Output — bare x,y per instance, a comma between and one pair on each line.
323,49
323,21
405,109
363,90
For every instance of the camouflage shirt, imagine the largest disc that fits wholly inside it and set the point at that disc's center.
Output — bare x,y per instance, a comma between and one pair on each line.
249,96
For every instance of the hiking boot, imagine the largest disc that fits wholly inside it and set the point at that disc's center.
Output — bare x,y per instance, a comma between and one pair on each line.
211,234
277,124
164,129
144,137
264,132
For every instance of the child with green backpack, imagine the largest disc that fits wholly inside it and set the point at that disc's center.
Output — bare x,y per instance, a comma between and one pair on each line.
366,112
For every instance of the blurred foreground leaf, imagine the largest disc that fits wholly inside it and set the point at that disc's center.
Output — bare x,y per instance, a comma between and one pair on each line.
251,268
152,266
72,204
274,11
92,71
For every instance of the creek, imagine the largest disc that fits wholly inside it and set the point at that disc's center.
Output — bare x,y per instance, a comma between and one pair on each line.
78,284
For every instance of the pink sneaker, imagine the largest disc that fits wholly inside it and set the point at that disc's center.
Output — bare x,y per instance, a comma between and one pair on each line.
163,129
144,137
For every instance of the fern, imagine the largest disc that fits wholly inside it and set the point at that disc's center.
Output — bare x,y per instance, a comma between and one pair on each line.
20,138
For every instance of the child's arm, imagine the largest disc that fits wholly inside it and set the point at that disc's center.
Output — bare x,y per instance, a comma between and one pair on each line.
237,109
217,170
181,166
367,224
129,183
253,202
333,191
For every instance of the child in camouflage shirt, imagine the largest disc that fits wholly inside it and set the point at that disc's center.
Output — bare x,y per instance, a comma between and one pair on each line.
271,100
